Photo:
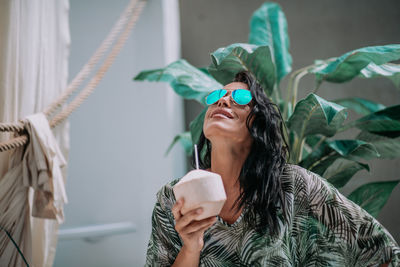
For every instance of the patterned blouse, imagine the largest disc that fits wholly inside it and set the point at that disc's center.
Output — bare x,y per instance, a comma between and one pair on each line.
324,229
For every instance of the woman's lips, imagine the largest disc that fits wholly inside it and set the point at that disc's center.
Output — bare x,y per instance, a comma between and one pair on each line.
221,113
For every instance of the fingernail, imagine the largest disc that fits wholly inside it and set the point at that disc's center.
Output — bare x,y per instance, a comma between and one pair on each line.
199,210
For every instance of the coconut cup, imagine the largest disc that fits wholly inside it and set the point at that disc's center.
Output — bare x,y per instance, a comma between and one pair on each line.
203,189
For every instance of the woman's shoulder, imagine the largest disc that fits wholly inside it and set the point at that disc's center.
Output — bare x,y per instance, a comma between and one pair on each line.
297,174
296,170
306,182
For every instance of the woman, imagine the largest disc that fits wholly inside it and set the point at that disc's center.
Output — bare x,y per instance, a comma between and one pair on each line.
276,214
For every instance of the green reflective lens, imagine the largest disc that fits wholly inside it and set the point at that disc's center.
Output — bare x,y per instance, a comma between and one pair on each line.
241,96
214,96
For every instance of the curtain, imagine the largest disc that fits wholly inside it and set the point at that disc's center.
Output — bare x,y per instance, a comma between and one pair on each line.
34,49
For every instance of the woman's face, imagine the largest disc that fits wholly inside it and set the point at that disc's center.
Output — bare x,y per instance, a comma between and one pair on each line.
226,118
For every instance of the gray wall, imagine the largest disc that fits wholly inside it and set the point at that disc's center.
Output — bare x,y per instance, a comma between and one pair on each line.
120,134
317,30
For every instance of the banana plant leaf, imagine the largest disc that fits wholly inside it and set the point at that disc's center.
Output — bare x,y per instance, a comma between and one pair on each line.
342,170
268,26
228,61
373,196
313,140
385,122
360,105
350,65
388,70
315,115
205,70
324,156
388,148
187,81
185,139
354,149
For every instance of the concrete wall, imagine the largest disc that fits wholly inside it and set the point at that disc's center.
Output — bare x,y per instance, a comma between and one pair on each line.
317,30
120,134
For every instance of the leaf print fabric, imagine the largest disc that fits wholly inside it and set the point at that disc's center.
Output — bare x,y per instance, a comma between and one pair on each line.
324,229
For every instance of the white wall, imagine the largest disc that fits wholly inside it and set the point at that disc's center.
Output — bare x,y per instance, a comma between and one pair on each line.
120,134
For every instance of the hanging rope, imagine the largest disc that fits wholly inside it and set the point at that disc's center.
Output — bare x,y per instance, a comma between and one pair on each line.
102,70
126,22
12,127
14,143
88,67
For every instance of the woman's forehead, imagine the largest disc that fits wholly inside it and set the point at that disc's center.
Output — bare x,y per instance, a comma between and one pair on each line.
236,85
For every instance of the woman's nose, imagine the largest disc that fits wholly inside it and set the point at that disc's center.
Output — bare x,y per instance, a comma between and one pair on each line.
225,100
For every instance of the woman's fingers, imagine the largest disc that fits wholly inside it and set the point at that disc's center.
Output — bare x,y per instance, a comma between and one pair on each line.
187,218
176,209
199,226
203,229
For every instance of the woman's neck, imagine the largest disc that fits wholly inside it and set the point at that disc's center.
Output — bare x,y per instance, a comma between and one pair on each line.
227,160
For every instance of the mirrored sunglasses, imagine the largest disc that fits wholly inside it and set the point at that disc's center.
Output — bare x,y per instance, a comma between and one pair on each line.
240,96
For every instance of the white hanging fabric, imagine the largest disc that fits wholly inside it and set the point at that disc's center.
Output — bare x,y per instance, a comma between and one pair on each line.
34,51
35,167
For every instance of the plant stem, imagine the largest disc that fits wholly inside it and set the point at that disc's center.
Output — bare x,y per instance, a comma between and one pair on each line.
300,153
317,86
293,82
321,159
288,92
296,85
293,155
297,149
318,144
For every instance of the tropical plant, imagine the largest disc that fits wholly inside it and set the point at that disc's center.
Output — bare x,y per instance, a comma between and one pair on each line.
312,122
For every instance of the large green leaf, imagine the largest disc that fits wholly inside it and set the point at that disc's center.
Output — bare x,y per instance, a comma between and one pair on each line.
360,105
196,126
228,61
268,26
388,70
342,170
388,148
373,196
185,139
186,80
328,152
315,115
384,122
354,149
350,65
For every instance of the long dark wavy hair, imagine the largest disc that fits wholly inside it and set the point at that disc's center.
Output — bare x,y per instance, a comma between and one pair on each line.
260,184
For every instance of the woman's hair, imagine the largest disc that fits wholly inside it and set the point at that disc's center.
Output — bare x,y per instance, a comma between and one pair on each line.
261,189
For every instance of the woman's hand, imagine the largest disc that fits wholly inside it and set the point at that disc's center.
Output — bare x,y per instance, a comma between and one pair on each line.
191,231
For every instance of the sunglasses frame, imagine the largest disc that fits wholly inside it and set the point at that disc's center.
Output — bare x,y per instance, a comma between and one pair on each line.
232,96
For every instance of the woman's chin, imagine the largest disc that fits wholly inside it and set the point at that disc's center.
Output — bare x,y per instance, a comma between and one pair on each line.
223,133
218,128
